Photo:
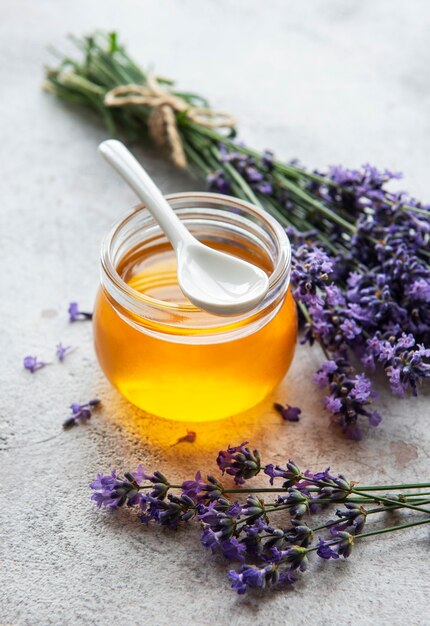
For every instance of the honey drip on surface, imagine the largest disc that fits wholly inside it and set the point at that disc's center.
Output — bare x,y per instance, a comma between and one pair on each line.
189,381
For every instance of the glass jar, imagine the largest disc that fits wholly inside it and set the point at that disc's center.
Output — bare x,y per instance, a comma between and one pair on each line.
165,355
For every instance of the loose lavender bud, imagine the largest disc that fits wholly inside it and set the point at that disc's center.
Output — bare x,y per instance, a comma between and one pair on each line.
80,412
76,315
289,413
61,351
32,364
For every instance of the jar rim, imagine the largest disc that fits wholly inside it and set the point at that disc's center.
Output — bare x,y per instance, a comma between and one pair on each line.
279,274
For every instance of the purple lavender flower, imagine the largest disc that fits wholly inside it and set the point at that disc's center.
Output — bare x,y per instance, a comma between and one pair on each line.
209,539
321,377
267,159
170,512
332,404
341,545
253,509
160,485
218,182
288,412
256,174
250,576
419,290
325,551
291,473
310,273
362,389
330,485
239,462
80,412
76,315
103,487
213,488
350,394
112,491
296,557
61,351
299,534
265,188
252,174
232,549
193,488
407,369
220,517
32,364
354,516
297,501
381,283
201,491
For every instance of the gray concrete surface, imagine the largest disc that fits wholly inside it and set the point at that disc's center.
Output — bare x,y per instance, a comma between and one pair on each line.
326,81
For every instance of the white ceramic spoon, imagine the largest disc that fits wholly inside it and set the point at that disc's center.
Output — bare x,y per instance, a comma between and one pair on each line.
214,281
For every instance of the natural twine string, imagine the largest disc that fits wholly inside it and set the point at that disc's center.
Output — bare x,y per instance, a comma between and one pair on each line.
162,123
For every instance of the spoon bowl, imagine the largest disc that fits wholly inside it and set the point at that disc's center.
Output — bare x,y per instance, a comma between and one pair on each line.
212,280
218,282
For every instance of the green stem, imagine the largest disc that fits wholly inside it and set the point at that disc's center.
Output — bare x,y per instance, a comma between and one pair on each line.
379,509
396,487
303,195
312,490
289,170
388,501
392,528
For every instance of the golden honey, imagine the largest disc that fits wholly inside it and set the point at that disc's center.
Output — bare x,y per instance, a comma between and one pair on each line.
168,357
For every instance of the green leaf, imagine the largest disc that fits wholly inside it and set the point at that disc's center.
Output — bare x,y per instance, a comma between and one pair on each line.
113,42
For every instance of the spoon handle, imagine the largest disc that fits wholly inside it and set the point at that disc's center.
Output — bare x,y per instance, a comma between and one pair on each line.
121,159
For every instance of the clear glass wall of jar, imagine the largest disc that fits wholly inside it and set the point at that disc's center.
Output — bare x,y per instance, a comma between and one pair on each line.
167,356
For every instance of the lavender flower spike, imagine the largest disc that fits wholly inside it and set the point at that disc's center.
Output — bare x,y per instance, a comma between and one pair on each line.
239,462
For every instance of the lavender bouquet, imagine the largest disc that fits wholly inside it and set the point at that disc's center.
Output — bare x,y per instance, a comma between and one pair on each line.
271,539
360,276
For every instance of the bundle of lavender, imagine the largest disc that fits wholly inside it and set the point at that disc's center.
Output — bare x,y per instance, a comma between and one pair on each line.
361,275
272,538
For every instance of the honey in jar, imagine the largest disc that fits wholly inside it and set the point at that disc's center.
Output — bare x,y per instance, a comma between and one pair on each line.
165,355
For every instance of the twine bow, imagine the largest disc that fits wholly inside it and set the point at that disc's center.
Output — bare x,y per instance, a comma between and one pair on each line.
162,122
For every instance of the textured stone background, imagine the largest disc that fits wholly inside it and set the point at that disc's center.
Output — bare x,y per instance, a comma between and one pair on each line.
327,81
